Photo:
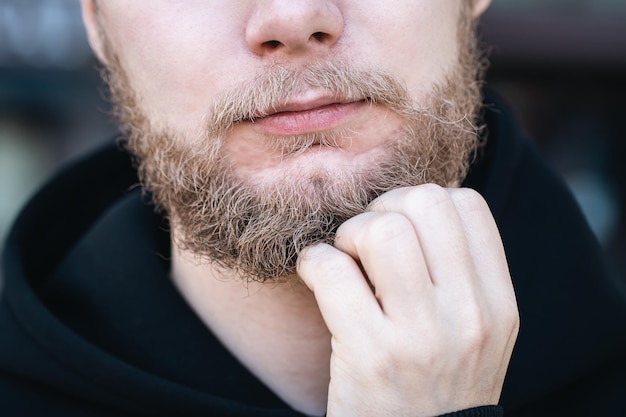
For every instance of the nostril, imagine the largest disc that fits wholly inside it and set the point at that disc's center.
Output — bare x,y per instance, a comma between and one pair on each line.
272,44
320,36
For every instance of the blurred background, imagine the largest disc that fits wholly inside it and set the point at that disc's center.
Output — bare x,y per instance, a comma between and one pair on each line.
561,64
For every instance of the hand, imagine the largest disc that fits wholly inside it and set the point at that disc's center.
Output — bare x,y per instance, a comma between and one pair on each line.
417,295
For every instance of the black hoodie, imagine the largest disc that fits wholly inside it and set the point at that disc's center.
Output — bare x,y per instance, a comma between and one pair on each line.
90,324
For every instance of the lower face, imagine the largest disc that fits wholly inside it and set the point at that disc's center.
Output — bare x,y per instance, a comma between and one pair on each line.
281,161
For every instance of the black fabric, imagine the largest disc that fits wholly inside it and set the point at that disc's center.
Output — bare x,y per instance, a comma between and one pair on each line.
488,411
90,324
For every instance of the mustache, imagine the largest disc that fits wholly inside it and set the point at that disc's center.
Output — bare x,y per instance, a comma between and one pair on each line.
265,94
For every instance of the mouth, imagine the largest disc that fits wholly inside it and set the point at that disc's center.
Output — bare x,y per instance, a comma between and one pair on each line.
301,117
302,104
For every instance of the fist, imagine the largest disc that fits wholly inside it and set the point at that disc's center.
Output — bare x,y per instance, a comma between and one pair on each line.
418,298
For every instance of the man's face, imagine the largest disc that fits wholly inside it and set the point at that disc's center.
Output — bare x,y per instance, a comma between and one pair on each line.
263,125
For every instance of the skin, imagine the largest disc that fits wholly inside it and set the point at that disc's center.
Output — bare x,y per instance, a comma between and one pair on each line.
176,92
436,332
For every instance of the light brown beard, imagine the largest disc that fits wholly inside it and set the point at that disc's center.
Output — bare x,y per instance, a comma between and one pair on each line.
257,230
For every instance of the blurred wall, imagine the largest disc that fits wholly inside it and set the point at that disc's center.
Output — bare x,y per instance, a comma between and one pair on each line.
51,108
560,63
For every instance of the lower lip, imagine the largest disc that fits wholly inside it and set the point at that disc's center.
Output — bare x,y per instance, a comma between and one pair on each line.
308,121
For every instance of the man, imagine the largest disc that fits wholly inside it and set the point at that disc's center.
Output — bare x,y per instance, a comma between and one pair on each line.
310,164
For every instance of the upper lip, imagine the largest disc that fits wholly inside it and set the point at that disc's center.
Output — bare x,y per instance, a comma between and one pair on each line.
306,103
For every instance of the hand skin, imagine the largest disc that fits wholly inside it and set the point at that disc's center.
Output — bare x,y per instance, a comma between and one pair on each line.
433,330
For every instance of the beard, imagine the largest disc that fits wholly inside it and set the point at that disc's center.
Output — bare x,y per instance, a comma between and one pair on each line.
256,229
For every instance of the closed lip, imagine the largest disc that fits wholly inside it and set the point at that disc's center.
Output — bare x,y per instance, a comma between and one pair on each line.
311,111
301,105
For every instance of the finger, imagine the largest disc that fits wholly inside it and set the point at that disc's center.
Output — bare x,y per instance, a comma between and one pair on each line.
344,298
492,272
388,249
439,229
484,243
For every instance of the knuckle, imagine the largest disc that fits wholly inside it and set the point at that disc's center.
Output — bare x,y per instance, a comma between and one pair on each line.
484,327
475,337
332,264
507,312
467,199
337,263
515,328
513,318
386,227
476,330
431,194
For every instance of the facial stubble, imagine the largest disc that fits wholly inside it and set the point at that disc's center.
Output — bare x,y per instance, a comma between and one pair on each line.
255,230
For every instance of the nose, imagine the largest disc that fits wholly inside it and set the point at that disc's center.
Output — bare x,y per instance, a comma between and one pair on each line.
293,26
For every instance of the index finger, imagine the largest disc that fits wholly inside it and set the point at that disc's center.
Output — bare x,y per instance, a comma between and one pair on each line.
344,298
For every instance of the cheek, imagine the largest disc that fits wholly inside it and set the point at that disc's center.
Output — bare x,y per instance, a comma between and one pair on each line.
416,40
176,58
